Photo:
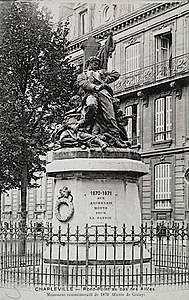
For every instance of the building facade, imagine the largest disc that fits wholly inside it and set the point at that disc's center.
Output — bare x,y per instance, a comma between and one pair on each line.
39,204
152,57
152,46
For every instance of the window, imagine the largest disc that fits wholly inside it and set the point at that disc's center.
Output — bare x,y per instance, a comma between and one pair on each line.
132,127
40,193
83,22
7,205
162,182
107,13
131,7
163,121
132,57
163,54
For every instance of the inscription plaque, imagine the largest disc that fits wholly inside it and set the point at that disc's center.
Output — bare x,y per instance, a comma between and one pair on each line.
101,205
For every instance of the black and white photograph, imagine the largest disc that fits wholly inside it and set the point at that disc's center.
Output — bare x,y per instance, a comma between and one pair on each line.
94,150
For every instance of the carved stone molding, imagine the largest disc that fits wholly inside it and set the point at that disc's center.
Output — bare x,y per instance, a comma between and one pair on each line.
162,158
175,88
64,198
143,97
133,41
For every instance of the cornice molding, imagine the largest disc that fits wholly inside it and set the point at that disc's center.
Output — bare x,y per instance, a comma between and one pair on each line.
133,40
163,151
144,13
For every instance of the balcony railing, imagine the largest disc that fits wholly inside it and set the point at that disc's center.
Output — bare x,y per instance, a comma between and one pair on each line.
163,204
165,70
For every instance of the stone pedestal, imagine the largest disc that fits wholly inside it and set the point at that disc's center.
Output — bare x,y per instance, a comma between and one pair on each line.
103,187
96,205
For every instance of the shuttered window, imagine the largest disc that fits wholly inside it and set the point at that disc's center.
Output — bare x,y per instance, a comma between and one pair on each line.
40,195
162,49
83,22
132,57
163,55
7,202
128,112
163,123
162,186
133,123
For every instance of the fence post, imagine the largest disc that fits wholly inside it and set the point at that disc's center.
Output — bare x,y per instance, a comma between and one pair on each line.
68,253
168,251
11,244
6,248
141,255
59,250
124,254
34,252
96,255
42,253
77,254
114,245
87,256
105,252
132,254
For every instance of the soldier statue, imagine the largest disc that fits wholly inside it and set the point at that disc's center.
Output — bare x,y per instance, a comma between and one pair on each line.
99,121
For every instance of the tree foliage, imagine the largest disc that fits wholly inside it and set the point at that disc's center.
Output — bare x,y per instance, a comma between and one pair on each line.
36,84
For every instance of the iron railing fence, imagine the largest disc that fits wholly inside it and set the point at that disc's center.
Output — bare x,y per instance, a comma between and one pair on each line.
168,69
95,256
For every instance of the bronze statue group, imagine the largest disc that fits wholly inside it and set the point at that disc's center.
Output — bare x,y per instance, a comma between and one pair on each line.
98,121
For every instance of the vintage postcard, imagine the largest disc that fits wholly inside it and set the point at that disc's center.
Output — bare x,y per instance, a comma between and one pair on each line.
94,142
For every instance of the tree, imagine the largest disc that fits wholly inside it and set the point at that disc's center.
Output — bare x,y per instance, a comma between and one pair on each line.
36,84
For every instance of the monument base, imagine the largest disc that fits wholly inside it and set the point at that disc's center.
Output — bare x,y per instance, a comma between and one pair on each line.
97,214
103,187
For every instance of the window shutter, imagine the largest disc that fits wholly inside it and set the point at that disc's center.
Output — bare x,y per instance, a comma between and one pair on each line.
164,49
163,44
128,112
168,116
43,187
162,186
167,181
157,49
138,128
7,201
159,119
39,191
132,57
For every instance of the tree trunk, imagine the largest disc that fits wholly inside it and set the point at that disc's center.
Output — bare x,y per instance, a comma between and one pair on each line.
24,175
24,185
